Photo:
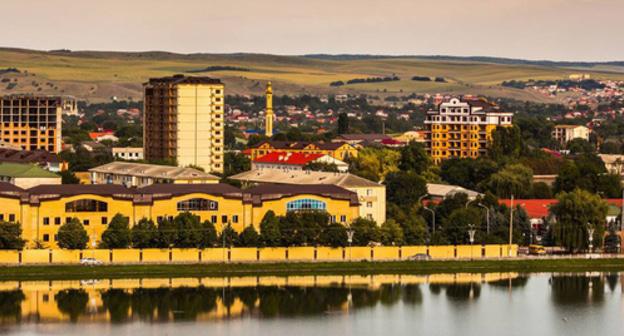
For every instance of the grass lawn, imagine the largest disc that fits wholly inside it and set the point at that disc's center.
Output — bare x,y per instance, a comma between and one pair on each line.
68,272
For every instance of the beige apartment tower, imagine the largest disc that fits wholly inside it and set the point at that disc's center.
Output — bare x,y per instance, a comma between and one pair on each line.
184,121
32,122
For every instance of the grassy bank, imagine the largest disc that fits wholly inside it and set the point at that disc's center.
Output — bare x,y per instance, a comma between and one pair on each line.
68,272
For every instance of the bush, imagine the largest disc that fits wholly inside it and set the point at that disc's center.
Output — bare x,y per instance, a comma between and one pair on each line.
144,234
10,236
167,233
209,234
391,233
334,235
228,236
269,230
365,231
189,230
249,237
72,235
117,234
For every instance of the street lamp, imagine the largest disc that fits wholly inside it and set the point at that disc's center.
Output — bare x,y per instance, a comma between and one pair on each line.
350,233
487,217
430,210
471,236
590,232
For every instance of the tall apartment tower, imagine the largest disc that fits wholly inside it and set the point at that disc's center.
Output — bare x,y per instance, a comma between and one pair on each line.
268,118
183,121
32,122
462,128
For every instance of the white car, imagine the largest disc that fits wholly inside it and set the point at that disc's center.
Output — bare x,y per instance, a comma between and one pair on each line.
90,262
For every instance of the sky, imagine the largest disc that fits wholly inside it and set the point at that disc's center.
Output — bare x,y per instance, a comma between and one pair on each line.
573,30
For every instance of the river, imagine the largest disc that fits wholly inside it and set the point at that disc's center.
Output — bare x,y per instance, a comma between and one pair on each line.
438,304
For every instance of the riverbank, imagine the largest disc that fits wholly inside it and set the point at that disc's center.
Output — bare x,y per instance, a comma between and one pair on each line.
73,272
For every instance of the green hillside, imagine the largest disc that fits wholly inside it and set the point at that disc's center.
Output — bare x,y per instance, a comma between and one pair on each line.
98,76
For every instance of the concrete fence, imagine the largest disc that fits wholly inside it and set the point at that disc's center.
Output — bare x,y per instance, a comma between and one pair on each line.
252,254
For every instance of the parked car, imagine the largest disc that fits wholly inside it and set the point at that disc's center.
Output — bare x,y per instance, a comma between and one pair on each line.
537,249
419,256
90,262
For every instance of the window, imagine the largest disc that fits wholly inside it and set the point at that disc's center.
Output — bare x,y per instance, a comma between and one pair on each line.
213,219
369,204
235,219
57,220
68,219
104,220
197,204
46,237
86,205
11,218
369,192
85,222
343,218
46,220
305,204
1,217
224,219
159,219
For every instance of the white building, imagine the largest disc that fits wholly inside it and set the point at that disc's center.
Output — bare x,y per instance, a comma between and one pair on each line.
128,153
566,133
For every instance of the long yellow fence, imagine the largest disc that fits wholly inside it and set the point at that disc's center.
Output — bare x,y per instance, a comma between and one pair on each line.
251,254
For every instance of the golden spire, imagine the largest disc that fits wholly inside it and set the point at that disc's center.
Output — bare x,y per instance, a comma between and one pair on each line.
268,123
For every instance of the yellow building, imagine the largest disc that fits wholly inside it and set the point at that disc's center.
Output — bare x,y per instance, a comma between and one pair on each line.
184,121
43,209
337,150
462,128
32,122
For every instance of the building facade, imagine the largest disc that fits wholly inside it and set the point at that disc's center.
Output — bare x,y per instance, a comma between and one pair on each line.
462,128
566,133
141,174
32,122
43,209
184,121
371,195
337,150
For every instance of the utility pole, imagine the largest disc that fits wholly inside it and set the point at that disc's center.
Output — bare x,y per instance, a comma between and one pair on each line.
511,224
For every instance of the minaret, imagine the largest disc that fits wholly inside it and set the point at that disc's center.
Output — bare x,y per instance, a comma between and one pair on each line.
268,123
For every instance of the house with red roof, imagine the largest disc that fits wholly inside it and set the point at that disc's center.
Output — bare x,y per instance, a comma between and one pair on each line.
103,135
294,161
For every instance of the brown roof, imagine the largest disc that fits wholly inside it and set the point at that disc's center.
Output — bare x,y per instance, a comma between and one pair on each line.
24,156
266,192
77,189
165,190
363,137
8,187
182,79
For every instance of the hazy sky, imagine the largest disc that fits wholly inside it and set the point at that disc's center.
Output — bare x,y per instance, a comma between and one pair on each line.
531,29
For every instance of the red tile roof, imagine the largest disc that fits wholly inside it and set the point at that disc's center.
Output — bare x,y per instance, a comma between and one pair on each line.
288,158
538,208
95,135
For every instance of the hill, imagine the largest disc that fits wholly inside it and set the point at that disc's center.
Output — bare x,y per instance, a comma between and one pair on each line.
99,75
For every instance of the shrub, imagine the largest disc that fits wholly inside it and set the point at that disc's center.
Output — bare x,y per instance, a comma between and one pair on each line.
144,234
117,234
72,235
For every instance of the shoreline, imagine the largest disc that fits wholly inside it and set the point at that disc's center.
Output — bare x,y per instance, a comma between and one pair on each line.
79,272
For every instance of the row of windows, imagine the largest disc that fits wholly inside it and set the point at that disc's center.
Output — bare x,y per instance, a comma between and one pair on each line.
11,217
213,219
306,204
343,219
86,205
57,220
197,204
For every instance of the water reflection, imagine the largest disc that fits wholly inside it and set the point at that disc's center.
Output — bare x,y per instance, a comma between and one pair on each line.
171,300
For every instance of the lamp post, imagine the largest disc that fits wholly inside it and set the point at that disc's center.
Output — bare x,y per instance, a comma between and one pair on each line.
590,232
350,233
433,221
487,217
471,236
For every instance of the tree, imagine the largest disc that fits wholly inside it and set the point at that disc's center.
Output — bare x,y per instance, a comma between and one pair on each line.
144,234
506,144
209,234
10,236
68,177
404,188
414,158
189,230
468,173
322,166
303,227
72,235
391,233
542,190
513,179
228,236
167,233
249,237
458,223
581,146
575,212
234,163
269,230
374,163
343,124
365,231
117,234
334,235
